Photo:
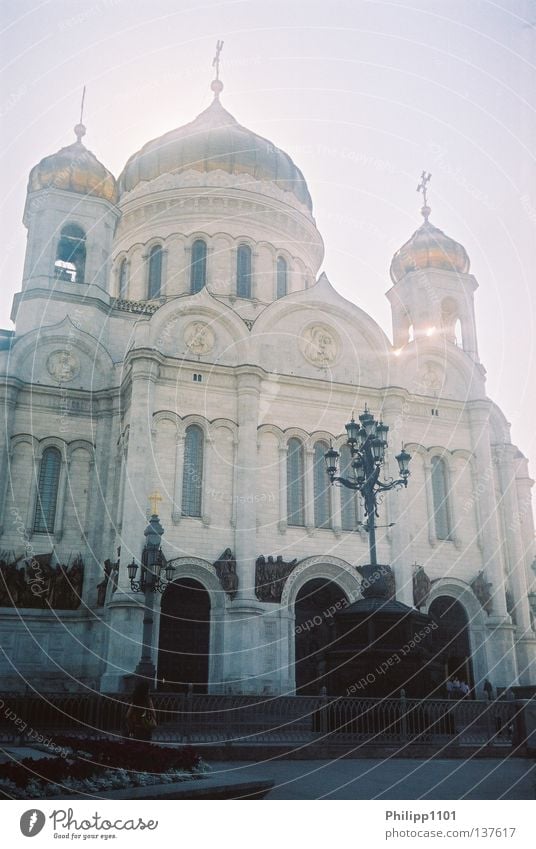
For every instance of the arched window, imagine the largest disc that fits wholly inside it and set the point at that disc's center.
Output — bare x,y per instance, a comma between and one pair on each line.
155,272
192,476
349,502
282,271
243,271
198,266
322,496
295,489
47,491
70,262
123,279
440,496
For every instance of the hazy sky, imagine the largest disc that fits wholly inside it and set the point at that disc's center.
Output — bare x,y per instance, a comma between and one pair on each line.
363,95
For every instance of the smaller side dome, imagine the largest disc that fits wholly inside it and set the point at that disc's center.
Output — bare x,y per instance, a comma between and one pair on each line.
429,247
74,169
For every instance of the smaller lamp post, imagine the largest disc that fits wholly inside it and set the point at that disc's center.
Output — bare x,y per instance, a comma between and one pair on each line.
367,442
149,584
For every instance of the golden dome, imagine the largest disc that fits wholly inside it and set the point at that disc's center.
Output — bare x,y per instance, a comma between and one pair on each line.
429,247
215,141
74,169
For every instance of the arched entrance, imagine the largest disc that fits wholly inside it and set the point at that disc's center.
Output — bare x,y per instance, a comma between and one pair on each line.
450,640
184,644
316,603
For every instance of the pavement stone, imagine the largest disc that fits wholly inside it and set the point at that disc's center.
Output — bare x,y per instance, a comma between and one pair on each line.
396,778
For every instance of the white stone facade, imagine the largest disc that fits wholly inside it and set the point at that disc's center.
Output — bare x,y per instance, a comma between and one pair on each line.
113,380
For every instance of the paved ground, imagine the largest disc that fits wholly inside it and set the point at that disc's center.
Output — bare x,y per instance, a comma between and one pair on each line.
484,778
396,778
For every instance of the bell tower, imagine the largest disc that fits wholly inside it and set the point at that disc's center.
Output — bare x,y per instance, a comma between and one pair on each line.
433,292
70,215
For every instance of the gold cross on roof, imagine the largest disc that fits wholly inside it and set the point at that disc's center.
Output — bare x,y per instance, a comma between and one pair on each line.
216,60
423,187
154,499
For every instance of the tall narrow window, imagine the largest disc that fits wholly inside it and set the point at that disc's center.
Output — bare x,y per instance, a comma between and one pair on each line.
282,272
155,272
192,476
243,271
349,502
47,491
440,496
322,494
123,279
198,266
295,488
70,262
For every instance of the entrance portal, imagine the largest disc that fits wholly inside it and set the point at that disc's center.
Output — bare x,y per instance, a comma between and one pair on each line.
316,603
184,637
450,641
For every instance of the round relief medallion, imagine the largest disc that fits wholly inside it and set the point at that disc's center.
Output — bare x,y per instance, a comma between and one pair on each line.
63,366
199,338
319,345
431,378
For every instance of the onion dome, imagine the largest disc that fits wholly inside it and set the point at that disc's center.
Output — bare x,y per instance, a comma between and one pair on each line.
215,141
74,169
429,247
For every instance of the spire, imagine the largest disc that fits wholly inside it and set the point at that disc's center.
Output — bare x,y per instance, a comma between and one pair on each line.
422,187
216,84
80,129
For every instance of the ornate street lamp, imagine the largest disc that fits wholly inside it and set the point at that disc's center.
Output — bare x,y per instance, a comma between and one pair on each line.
367,444
149,584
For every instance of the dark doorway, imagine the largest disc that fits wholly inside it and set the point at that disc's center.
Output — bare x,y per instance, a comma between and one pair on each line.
450,640
316,604
184,637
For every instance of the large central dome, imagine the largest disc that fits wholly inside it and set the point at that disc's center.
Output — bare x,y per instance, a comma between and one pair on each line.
215,141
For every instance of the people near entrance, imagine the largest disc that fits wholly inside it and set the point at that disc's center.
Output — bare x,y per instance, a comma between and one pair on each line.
457,689
141,715
488,690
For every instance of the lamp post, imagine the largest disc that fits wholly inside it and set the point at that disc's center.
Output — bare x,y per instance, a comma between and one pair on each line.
149,584
367,442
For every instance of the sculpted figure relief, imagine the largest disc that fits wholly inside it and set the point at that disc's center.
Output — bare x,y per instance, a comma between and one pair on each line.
63,366
225,567
319,346
199,338
270,577
482,590
421,586
38,584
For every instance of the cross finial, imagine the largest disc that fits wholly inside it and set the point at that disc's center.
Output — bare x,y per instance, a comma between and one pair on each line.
217,85
423,187
154,499
216,60
80,129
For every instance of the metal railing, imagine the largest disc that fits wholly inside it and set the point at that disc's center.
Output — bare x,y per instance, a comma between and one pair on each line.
252,720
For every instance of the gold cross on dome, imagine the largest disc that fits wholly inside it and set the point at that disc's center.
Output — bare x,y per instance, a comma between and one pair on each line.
216,60
422,187
154,499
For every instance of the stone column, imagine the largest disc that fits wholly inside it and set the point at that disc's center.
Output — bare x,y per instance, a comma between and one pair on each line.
526,639
96,521
137,478
283,514
245,662
309,489
501,654
248,389
126,609
6,432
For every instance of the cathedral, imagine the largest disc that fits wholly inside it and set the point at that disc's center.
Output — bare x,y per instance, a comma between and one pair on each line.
176,352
